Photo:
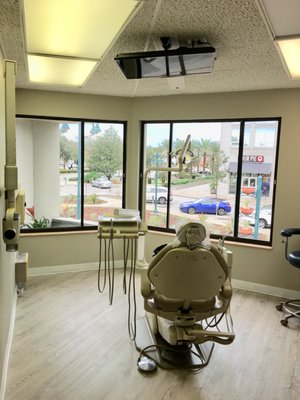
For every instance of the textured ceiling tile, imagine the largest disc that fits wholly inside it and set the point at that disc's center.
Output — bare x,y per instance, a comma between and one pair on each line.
246,58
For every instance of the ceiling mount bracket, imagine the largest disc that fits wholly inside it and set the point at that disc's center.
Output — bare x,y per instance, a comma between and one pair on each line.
166,43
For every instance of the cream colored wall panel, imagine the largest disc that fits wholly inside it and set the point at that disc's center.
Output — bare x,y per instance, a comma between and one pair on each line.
64,249
71,105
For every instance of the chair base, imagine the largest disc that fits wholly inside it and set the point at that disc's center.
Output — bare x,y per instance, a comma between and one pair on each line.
291,307
168,356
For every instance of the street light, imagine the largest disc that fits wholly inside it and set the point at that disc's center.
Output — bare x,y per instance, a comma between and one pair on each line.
95,129
157,159
64,127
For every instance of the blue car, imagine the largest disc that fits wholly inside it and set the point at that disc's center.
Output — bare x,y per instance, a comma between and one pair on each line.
206,206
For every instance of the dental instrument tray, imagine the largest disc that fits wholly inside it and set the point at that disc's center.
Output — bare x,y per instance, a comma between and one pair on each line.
122,223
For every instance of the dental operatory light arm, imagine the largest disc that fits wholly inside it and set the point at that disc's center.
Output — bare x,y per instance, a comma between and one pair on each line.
11,221
178,168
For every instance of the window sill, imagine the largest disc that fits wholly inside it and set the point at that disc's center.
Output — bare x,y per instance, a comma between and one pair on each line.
58,233
227,242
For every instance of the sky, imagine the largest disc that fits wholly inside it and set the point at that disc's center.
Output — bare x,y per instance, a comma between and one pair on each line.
73,132
157,132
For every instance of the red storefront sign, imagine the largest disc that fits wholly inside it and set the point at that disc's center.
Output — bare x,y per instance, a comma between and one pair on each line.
257,159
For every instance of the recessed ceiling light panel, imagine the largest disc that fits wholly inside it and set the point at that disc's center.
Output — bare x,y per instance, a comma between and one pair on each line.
59,70
290,50
81,28
282,18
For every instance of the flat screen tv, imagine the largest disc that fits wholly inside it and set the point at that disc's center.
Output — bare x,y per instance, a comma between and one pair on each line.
167,63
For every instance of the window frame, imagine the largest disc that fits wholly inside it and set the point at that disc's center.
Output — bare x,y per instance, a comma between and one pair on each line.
240,147
81,121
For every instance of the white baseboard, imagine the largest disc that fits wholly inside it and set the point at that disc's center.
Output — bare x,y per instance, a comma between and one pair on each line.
238,284
265,289
8,347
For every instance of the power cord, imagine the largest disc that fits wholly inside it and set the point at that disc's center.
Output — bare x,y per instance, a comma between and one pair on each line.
129,248
145,362
109,267
131,285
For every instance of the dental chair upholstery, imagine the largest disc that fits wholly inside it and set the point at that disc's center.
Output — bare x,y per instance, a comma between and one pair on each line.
291,307
187,292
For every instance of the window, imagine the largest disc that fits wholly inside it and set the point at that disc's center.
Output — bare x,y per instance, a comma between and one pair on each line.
71,171
265,135
228,183
235,134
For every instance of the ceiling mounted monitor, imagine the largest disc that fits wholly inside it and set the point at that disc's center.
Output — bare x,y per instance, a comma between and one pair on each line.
167,63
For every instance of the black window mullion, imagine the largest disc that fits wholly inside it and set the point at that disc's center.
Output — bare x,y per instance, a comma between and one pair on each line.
124,165
142,168
82,172
239,180
169,174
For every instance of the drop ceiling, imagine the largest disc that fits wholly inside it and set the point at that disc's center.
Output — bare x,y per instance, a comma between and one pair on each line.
246,57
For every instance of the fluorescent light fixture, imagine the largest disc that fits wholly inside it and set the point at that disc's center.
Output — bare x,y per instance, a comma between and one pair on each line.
282,16
290,50
75,28
59,70
66,38
282,19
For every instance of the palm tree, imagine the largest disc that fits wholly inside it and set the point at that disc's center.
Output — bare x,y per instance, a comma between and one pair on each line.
218,161
205,150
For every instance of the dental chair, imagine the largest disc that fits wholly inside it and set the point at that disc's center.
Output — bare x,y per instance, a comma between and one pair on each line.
187,293
291,307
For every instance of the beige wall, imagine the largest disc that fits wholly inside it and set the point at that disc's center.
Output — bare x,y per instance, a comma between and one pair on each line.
7,260
258,265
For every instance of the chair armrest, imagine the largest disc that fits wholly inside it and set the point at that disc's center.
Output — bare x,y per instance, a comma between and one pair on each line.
288,232
227,289
146,290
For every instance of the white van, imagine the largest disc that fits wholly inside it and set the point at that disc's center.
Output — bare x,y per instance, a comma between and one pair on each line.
162,194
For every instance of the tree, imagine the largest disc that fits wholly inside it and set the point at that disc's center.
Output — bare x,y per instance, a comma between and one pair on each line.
105,153
218,162
177,145
150,153
205,151
68,150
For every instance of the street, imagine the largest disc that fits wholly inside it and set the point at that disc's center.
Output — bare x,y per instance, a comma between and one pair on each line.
111,198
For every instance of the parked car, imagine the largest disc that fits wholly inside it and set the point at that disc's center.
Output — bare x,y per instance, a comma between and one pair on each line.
72,166
205,172
206,205
102,183
265,217
162,194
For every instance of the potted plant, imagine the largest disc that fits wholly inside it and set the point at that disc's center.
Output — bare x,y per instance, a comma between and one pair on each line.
203,218
36,223
245,209
248,190
213,187
245,229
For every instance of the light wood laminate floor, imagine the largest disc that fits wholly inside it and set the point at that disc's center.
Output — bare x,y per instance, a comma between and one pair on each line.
70,344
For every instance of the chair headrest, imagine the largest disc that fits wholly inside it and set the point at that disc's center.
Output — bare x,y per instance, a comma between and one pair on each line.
192,235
